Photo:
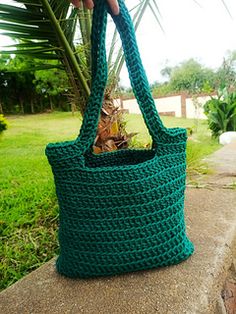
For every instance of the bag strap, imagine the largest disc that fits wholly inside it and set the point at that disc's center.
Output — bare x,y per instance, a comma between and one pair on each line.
136,71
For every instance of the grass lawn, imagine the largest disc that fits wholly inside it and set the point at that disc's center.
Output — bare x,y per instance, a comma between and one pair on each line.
29,211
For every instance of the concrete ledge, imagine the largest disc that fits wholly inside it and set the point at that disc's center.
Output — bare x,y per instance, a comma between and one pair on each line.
193,286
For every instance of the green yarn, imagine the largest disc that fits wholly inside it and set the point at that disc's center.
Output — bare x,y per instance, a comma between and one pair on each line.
121,211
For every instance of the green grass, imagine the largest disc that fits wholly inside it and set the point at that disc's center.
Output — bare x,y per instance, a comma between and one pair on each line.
29,211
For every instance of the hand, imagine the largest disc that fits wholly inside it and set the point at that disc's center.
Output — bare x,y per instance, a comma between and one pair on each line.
89,4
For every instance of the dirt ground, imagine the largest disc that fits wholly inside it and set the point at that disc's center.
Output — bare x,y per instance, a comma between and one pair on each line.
229,295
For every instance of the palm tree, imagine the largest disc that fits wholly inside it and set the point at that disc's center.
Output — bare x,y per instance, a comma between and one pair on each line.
47,30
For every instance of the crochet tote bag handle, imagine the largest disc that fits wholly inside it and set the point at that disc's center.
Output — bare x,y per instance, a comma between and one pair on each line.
136,71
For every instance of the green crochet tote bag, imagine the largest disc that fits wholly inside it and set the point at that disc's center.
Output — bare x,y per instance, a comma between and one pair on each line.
120,211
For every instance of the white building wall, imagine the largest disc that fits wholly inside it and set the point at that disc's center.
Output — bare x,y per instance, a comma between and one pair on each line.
164,104
194,107
131,105
168,104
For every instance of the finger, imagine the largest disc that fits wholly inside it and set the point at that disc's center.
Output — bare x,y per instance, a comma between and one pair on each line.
114,6
89,4
76,3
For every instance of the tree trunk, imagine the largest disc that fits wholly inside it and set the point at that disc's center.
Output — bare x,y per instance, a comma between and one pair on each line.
32,105
73,108
51,103
111,133
41,104
1,110
22,111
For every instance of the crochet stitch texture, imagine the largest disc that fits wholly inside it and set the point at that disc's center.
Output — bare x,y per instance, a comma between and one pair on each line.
120,211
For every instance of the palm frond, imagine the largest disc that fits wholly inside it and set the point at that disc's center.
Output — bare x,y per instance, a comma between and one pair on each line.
137,17
154,9
45,29
227,9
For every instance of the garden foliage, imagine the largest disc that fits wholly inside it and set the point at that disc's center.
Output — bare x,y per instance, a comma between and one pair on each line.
221,112
3,123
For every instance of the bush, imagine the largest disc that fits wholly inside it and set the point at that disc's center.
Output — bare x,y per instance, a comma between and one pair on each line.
3,123
221,112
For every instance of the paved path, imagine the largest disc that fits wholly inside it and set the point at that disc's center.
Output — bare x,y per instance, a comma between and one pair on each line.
193,286
224,163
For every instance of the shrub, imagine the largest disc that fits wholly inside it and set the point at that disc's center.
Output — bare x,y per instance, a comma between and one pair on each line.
221,112
3,123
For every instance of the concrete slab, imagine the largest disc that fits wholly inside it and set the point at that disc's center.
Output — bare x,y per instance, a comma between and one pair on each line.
193,286
223,162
